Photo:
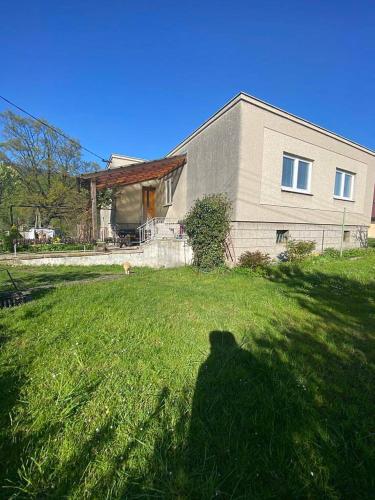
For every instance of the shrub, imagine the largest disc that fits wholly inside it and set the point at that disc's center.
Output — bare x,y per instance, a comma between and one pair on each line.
54,247
356,252
254,260
8,239
207,225
349,252
299,250
331,252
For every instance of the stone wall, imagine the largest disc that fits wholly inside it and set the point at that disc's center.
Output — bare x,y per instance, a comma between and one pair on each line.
262,236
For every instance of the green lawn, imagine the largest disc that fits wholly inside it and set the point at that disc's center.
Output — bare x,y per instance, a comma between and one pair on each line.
173,384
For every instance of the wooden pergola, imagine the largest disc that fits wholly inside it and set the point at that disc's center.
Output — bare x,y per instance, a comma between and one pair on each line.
125,176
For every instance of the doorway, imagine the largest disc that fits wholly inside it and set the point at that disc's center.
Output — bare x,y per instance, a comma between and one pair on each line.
148,203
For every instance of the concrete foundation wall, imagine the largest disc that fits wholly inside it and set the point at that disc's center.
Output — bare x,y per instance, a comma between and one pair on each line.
262,236
158,253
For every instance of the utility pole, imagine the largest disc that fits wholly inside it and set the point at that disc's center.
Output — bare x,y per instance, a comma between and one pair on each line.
94,213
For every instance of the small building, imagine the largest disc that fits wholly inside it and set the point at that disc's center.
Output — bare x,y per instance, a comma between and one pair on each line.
38,233
286,178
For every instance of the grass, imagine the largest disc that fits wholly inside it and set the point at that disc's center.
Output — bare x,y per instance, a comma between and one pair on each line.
173,384
30,277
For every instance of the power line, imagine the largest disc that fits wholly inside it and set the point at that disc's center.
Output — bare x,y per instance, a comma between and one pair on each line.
53,128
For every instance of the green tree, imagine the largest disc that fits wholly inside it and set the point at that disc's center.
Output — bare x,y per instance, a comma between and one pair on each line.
44,165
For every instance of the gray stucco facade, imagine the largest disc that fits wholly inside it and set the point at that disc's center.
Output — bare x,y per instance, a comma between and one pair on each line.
240,151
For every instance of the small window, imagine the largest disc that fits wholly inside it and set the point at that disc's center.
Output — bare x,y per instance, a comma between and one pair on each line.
168,191
282,236
346,236
296,174
343,185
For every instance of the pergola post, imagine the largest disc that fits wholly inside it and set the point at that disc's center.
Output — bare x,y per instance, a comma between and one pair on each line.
94,212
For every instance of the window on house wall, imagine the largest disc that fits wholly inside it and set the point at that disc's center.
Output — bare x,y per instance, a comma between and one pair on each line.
296,174
344,182
168,191
282,236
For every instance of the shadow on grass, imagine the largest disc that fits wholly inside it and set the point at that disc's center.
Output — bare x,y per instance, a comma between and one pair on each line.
285,413
41,278
288,414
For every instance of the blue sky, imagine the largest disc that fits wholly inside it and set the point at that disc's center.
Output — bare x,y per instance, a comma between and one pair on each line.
136,77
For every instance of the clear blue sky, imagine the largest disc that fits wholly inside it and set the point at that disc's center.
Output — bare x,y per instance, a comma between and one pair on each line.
136,77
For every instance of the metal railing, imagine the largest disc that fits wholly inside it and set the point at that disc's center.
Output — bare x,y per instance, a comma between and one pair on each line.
160,228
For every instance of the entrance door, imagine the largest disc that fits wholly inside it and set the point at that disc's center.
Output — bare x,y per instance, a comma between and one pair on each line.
148,201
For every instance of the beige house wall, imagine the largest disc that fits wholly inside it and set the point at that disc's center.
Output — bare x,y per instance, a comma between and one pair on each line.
117,161
265,136
212,162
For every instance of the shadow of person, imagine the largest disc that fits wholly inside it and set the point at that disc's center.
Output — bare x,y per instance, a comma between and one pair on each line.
247,433
242,420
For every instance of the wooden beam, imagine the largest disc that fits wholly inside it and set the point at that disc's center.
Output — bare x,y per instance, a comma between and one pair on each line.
94,212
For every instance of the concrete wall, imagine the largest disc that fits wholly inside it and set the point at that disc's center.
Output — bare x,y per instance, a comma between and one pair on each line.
117,161
178,205
127,206
212,163
158,253
251,236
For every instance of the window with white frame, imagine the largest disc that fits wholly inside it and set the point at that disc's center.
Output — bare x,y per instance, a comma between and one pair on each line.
344,182
296,174
168,191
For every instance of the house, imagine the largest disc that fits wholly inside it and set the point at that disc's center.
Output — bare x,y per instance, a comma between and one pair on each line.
371,231
286,178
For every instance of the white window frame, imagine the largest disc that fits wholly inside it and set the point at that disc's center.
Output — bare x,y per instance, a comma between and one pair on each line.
294,187
341,195
168,191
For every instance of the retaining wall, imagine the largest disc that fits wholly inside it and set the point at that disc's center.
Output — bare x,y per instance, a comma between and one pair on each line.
157,253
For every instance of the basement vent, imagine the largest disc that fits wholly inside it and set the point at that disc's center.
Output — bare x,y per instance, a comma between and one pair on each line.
282,235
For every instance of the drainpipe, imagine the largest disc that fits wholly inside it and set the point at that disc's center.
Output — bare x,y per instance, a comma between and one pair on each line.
342,231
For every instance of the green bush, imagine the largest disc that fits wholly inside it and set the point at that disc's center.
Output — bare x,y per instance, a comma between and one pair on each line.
207,225
371,242
356,252
8,239
54,247
349,252
254,260
331,252
299,250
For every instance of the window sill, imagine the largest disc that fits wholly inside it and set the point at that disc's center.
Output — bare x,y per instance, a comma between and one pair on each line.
341,198
298,191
